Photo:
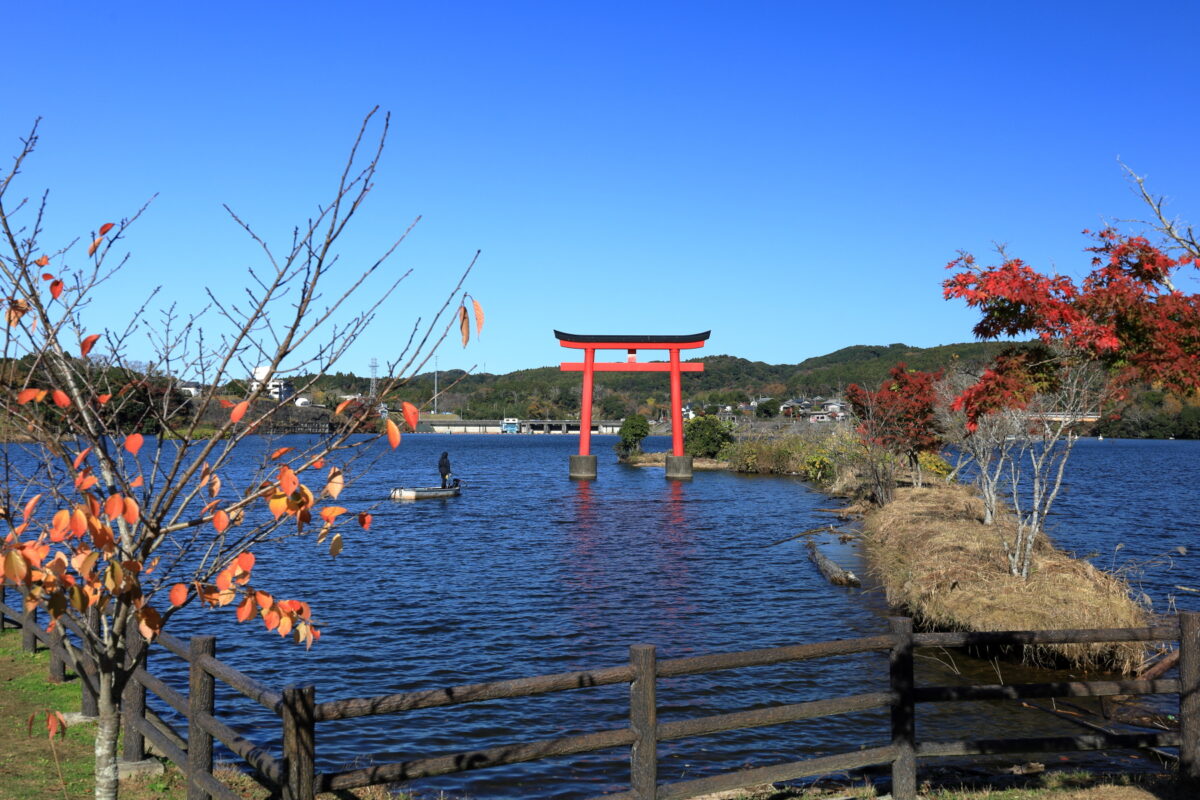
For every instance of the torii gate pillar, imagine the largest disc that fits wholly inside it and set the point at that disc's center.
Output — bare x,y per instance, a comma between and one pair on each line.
584,464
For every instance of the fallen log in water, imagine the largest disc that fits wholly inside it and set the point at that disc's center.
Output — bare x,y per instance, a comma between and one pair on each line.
832,572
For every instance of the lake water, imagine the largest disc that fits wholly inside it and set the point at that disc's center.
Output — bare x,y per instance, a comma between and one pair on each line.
530,573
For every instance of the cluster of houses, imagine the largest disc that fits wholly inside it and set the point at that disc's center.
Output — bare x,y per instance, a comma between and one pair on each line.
814,410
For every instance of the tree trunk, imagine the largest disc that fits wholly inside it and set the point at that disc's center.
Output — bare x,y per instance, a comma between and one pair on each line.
107,729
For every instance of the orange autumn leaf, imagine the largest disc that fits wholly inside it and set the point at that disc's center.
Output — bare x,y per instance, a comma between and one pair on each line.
319,464
136,482
26,395
87,344
393,434
225,403
114,506
288,482
342,406
411,415
245,561
95,245
478,316
364,520
330,513
132,512
31,505
239,411
56,289
281,451
245,609
104,398
82,455
464,324
278,505
79,524
133,443
60,398
220,521
105,228
43,261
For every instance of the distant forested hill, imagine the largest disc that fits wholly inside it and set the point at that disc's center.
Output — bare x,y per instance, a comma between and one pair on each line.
548,393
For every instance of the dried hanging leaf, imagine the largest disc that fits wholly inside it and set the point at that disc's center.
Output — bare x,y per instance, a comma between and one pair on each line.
95,245
245,609
336,482
56,289
478,316
335,544
364,520
393,434
411,415
105,228
17,308
464,324
43,261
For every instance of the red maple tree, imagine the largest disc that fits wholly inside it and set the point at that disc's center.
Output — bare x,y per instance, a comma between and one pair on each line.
899,416
1126,315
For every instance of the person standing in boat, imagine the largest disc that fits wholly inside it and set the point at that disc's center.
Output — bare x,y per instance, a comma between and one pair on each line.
444,469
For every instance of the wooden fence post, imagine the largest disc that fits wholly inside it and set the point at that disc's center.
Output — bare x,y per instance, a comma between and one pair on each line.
298,714
89,702
1189,696
133,700
28,625
58,656
643,719
904,768
201,700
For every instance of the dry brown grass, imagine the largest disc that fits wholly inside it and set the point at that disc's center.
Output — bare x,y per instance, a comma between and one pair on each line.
935,558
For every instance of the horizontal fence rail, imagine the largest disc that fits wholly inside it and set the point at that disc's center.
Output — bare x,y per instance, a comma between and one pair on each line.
293,775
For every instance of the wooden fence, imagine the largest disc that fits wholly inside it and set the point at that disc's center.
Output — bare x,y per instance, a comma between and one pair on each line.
293,774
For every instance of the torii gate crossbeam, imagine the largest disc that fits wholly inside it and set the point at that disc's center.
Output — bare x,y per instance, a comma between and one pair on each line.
631,344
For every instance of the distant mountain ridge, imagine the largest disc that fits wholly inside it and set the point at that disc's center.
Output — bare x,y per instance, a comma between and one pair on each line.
545,392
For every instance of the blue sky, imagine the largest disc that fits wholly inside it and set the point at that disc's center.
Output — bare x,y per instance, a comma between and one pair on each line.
793,176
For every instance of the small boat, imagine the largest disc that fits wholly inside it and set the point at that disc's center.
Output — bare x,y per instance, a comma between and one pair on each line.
425,492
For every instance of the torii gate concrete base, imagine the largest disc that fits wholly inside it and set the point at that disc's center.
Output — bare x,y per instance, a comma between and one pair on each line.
583,466
679,467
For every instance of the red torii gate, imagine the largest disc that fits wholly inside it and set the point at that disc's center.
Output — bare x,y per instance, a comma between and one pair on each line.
631,344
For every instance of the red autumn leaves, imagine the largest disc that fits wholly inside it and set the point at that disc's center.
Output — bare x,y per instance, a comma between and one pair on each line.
1126,314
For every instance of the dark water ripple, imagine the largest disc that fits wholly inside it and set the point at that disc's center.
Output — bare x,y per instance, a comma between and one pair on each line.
529,573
